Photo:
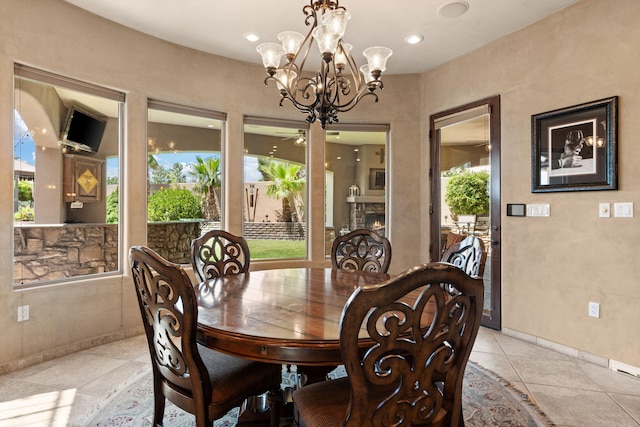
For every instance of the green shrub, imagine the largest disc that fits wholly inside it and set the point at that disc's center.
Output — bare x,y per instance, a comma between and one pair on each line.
467,193
112,207
169,204
25,213
25,191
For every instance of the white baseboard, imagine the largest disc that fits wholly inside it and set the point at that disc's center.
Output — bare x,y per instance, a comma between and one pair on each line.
64,350
624,368
574,352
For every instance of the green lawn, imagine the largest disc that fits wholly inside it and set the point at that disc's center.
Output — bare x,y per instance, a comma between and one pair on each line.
270,249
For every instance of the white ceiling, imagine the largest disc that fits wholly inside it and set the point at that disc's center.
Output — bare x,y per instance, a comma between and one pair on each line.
218,26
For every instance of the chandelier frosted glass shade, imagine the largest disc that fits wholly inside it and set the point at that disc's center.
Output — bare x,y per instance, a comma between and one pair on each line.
271,54
377,58
291,41
336,21
339,84
342,55
327,40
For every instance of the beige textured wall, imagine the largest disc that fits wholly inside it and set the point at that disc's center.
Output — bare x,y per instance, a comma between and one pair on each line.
552,267
55,36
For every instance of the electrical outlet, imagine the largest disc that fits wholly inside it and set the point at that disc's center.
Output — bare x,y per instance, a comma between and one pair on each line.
23,313
594,309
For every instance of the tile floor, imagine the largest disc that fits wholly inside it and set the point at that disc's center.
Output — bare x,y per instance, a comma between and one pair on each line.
572,392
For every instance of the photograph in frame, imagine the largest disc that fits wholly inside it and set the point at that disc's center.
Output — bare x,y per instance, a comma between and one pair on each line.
376,179
575,148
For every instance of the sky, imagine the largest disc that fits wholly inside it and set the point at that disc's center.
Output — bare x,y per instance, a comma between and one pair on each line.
23,144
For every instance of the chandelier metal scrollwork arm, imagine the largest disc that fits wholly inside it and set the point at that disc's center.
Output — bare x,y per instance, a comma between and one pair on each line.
339,85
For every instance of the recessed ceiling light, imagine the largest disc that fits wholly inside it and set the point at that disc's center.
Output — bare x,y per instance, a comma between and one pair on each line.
252,37
414,38
453,9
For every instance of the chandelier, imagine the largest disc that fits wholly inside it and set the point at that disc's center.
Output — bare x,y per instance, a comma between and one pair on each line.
339,84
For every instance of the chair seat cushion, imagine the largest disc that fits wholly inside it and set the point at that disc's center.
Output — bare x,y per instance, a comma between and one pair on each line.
232,378
323,404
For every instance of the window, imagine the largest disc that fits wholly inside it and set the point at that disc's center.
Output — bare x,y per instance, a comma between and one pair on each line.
66,146
355,180
184,166
275,186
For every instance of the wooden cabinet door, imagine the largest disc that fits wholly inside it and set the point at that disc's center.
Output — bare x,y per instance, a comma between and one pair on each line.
82,179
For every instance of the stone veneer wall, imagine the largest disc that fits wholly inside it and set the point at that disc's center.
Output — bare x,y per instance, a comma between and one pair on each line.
172,240
274,230
53,252
58,251
265,230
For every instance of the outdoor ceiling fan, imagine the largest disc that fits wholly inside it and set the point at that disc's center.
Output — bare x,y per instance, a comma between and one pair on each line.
300,136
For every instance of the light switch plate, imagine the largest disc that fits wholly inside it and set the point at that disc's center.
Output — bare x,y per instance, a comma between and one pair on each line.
594,309
538,210
604,210
623,210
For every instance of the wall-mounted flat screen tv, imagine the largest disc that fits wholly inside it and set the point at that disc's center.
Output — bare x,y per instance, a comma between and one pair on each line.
83,130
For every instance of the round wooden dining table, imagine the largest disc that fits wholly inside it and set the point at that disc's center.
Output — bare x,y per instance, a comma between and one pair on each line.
289,316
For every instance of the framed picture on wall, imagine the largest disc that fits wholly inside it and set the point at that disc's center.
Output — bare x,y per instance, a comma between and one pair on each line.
376,179
575,148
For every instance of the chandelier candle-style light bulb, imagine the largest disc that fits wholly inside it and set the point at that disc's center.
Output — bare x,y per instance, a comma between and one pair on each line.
339,84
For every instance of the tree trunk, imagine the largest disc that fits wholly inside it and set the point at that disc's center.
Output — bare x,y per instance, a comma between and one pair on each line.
211,209
286,210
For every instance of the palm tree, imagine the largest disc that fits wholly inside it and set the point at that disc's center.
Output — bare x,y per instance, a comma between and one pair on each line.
152,167
287,184
207,174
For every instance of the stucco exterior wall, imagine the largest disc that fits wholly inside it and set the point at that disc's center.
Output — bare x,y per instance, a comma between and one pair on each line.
552,267
55,36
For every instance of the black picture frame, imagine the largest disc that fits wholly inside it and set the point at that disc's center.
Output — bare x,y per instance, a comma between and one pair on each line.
575,148
376,179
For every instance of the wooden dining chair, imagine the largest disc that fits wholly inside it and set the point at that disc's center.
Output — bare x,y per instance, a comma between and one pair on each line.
469,254
411,374
362,250
219,253
197,379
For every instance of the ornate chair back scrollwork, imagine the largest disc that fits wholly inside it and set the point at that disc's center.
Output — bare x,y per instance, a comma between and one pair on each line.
197,379
469,254
412,373
219,253
362,250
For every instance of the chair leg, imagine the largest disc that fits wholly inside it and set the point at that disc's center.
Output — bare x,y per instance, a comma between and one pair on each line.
461,418
273,401
158,403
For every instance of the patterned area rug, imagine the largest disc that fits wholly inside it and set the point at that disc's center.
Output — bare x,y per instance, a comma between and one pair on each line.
488,401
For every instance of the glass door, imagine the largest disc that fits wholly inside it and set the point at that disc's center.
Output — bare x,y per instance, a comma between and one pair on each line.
465,182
